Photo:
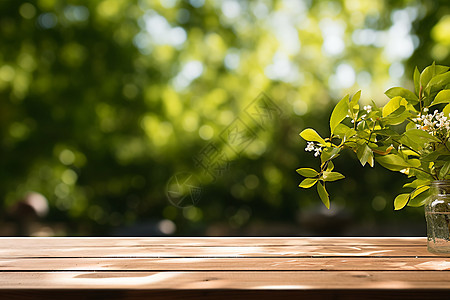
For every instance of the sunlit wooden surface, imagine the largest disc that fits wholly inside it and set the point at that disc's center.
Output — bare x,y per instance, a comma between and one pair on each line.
219,268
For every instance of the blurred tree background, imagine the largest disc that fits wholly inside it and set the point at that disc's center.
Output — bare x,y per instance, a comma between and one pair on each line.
116,115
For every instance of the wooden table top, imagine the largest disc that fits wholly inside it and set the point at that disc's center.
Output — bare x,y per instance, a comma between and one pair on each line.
219,268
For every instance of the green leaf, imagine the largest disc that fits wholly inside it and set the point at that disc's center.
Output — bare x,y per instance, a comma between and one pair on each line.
329,154
418,139
420,200
393,105
427,74
444,170
416,183
416,145
332,176
374,114
339,113
433,81
382,150
344,132
393,162
323,194
311,135
404,93
330,166
408,153
307,183
413,162
401,201
307,172
422,175
354,101
410,125
442,97
446,110
397,117
418,134
364,154
353,106
440,69
416,81
438,82
387,132
418,191
437,154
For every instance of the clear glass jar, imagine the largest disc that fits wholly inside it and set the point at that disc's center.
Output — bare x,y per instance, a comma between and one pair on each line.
437,214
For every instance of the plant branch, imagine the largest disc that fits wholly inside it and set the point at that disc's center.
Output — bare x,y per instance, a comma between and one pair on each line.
415,168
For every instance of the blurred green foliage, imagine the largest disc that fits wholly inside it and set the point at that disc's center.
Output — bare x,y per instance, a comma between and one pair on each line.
103,102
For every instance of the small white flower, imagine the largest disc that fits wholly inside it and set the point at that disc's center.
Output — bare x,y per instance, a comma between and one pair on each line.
367,108
436,124
317,153
310,146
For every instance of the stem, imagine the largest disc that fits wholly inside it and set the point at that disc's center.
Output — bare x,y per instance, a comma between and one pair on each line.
420,98
406,146
373,128
445,145
435,177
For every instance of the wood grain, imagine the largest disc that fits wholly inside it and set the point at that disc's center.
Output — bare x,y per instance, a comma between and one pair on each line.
260,280
225,264
219,268
211,247
221,294
31,242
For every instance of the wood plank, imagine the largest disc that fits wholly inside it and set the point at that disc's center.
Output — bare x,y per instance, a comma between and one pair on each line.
300,280
199,268
170,247
32,242
210,247
257,251
225,264
221,294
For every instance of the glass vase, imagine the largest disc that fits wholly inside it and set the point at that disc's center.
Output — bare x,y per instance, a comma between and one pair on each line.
437,214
